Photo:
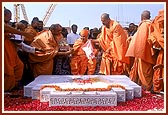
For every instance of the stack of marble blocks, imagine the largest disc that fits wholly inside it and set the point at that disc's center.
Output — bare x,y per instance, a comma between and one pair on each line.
82,98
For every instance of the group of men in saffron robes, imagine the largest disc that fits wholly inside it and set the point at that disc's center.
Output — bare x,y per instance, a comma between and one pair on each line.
13,66
147,69
116,52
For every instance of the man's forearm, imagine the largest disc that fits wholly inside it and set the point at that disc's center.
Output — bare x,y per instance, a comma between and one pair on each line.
15,31
12,30
95,41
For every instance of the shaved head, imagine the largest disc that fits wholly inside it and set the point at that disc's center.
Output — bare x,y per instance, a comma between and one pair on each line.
56,29
105,19
7,15
55,26
105,16
145,15
6,11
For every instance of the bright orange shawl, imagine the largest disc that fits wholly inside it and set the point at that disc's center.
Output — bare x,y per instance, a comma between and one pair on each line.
42,63
31,30
139,46
115,38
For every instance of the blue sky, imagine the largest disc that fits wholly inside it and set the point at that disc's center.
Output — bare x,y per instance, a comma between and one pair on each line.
88,14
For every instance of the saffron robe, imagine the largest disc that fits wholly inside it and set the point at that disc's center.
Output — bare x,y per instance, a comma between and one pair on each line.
141,49
42,63
79,61
114,40
157,39
13,66
31,30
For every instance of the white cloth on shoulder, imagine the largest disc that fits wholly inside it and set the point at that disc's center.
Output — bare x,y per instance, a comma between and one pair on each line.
88,49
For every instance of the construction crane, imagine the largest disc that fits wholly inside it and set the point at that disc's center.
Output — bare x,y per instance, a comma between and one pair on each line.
24,12
17,12
48,13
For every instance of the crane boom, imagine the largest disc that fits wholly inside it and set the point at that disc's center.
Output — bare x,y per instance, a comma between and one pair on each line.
48,13
24,12
16,13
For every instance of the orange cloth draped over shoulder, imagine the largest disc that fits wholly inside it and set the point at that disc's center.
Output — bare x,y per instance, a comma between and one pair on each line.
31,30
42,63
141,49
157,38
139,46
79,61
157,29
115,39
13,66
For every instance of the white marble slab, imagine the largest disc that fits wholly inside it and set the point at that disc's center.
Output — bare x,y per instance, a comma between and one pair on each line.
82,98
121,94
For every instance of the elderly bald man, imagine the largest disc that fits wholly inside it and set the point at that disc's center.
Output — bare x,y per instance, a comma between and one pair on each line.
157,40
42,62
141,49
112,39
83,58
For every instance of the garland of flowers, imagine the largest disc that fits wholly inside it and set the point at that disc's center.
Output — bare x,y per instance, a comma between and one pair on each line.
89,80
81,89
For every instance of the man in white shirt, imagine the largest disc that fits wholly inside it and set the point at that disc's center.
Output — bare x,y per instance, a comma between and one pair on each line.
72,37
